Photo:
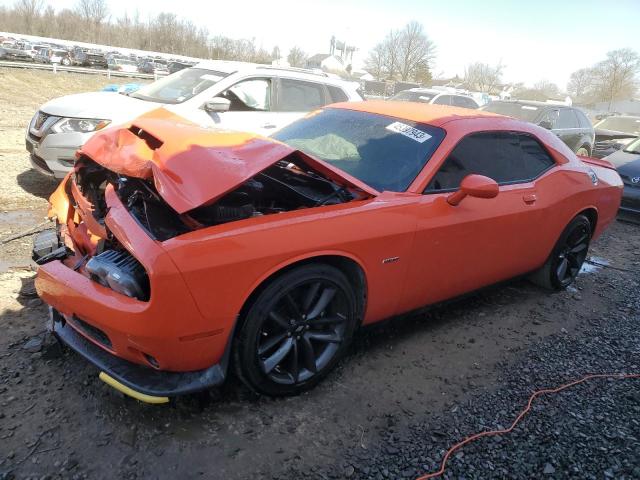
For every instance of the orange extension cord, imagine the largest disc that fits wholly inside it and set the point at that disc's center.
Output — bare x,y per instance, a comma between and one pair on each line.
618,376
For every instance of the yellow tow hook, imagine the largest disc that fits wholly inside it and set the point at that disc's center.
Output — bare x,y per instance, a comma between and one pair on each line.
143,397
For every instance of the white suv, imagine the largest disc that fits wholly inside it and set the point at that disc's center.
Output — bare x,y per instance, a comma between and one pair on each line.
435,97
232,95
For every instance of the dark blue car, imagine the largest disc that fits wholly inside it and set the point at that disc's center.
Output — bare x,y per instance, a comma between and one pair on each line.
627,162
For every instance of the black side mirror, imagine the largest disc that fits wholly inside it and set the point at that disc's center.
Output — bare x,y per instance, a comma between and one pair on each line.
546,124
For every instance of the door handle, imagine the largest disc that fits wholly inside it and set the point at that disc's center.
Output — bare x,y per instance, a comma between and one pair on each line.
529,198
269,125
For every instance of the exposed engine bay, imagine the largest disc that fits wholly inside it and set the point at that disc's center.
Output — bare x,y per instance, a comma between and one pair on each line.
287,185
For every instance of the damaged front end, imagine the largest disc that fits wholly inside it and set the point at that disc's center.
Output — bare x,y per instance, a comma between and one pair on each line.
115,294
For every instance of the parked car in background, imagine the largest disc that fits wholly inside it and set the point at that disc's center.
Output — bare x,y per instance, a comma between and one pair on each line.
89,58
50,55
119,64
232,95
627,162
614,133
570,124
177,66
181,251
153,67
13,51
435,97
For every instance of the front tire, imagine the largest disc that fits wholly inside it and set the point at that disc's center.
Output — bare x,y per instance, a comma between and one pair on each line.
567,257
296,330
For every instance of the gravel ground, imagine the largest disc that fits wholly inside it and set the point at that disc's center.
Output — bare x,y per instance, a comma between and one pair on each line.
589,431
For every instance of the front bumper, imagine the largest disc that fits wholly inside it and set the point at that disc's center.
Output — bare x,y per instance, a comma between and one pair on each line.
630,200
144,380
54,154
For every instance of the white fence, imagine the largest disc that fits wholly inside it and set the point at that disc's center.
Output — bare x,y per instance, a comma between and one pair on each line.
55,68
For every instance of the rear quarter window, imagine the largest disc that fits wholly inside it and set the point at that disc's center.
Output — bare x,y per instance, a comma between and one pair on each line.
337,95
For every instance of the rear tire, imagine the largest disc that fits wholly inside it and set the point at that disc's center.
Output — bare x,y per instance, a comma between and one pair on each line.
296,330
584,151
567,257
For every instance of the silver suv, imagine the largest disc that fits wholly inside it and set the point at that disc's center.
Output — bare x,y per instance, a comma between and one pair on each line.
231,95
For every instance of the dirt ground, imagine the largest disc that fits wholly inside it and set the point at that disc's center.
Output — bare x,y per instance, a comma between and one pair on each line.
57,420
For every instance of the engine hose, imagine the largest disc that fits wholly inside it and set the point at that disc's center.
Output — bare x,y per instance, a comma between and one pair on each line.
534,395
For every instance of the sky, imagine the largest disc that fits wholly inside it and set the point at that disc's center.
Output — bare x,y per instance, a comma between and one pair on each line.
534,40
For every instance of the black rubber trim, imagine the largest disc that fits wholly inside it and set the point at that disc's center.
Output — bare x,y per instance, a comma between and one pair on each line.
142,379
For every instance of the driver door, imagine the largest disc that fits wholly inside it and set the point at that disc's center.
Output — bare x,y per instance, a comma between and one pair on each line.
480,241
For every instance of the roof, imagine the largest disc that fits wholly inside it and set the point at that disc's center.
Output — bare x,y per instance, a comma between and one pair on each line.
416,112
533,103
230,67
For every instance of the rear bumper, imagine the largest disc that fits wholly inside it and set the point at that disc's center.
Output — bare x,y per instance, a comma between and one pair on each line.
145,380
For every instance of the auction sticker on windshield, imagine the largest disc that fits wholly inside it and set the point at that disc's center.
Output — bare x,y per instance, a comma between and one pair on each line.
409,131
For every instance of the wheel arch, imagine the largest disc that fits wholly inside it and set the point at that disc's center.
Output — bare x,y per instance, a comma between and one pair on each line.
592,215
348,264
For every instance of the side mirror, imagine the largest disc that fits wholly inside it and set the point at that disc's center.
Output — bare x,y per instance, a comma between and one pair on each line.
546,124
473,185
217,104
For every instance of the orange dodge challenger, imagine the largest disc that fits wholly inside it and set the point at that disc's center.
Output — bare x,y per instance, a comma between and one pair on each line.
180,251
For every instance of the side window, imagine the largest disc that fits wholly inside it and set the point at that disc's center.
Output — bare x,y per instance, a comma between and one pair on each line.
507,157
464,102
249,95
551,116
299,96
337,95
582,119
567,119
443,100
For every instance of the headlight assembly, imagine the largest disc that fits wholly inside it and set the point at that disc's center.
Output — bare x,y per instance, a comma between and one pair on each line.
80,125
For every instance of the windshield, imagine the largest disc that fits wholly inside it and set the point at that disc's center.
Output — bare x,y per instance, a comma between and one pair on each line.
408,96
384,152
180,86
517,110
633,147
621,124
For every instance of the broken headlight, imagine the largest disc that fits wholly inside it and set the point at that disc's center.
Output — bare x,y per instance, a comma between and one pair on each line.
121,272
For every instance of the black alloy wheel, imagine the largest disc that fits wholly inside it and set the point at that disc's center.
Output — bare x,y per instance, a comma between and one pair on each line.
567,257
571,255
296,330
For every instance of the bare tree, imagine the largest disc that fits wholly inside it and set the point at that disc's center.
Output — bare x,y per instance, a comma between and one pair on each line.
482,76
93,12
391,49
297,57
615,77
581,84
405,54
415,49
375,62
275,53
541,91
28,14
547,89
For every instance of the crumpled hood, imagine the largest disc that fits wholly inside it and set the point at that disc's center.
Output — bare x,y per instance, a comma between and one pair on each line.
192,165
102,105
